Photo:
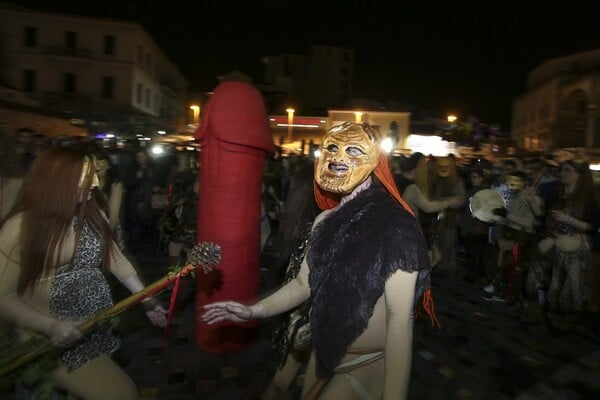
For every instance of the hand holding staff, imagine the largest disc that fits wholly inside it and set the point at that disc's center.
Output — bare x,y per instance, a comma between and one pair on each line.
204,255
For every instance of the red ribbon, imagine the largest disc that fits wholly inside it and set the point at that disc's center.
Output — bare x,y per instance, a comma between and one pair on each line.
171,307
511,271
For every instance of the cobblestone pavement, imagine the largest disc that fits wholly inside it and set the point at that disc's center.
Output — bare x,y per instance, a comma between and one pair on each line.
484,350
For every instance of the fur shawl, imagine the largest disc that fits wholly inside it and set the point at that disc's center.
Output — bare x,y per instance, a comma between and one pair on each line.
351,254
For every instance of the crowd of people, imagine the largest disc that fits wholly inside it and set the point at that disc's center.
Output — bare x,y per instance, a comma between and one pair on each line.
524,231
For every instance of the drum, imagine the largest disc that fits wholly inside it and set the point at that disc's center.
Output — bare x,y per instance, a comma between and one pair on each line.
483,203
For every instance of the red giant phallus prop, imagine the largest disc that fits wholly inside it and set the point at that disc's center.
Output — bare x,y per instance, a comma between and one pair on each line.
234,139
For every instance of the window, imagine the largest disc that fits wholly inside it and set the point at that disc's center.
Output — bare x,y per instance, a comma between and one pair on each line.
148,98
140,54
109,45
30,36
69,84
70,40
107,87
29,81
139,93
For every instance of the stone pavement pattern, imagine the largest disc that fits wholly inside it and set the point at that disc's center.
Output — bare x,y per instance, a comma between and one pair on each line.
482,351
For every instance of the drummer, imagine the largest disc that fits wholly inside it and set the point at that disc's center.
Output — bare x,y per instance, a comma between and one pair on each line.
517,239
474,231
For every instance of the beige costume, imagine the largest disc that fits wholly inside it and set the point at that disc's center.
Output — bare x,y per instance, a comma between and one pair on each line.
387,376
365,264
98,378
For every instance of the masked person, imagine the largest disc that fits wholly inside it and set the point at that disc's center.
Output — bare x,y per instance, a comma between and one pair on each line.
447,184
54,244
365,268
413,186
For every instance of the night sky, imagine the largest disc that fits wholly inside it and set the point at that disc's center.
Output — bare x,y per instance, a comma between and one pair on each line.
468,58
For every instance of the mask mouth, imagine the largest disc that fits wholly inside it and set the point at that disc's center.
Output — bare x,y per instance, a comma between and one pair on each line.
338,168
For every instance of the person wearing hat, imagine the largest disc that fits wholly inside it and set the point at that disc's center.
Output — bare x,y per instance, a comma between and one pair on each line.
365,270
517,237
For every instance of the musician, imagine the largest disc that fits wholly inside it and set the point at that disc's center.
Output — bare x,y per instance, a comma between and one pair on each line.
517,236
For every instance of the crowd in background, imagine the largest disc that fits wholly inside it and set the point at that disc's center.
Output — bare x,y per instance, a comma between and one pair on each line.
524,230
152,198
535,254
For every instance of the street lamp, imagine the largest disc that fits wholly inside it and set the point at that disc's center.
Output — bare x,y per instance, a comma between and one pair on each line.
196,112
358,116
451,118
290,112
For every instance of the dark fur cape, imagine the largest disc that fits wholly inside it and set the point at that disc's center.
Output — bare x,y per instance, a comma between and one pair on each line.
352,252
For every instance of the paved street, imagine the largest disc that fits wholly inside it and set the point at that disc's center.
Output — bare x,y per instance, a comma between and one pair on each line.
483,351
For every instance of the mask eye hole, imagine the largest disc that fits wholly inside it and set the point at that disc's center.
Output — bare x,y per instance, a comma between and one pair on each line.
354,151
332,148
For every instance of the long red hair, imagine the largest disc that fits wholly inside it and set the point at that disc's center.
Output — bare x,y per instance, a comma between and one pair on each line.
327,200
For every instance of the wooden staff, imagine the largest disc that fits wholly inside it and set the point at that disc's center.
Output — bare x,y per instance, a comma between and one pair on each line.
203,255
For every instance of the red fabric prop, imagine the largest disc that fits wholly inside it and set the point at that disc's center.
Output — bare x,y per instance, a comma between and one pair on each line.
234,139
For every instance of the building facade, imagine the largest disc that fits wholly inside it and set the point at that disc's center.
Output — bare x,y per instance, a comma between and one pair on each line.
559,107
309,83
105,75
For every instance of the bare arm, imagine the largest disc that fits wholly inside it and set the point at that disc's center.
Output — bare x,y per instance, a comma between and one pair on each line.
61,333
13,308
289,296
124,271
414,195
399,298
536,204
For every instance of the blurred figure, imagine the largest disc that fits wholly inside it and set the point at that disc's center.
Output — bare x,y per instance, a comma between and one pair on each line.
409,184
11,174
565,248
182,192
447,184
183,235
475,231
141,222
498,180
292,337
110,186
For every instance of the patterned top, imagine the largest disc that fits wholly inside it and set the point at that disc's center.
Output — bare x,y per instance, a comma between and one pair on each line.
80,290
284,335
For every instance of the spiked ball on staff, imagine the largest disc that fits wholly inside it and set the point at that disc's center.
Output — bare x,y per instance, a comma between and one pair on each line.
204,255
